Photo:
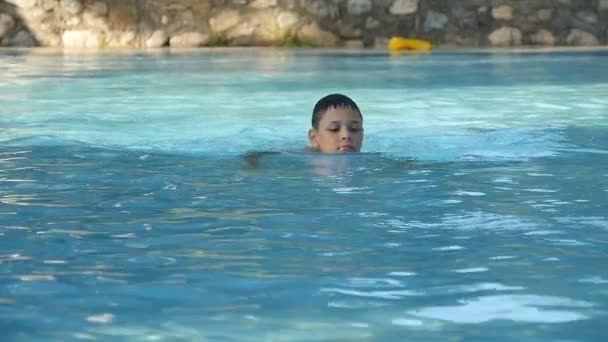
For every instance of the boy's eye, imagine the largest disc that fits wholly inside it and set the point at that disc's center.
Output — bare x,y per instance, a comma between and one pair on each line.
333,129
355,129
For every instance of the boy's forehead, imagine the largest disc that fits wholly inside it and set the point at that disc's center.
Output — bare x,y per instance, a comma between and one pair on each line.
342,110
341,106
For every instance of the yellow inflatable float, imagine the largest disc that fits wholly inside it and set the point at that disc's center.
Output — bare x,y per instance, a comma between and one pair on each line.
400,43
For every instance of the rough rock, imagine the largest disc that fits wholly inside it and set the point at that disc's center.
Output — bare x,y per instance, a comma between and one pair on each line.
588,17
122,17
158,39
354,44
403,7
6,23
22,38
545,14
371,23
188,40
121,39
358,7
72,6
263,3
435,21
505,36
25,4
543,37
320,8
49,5
98,8
581,38
224,20
286,21
90,21
79,39
313,34
503,12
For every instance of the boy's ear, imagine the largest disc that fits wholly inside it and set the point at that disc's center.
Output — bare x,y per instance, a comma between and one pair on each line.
312,137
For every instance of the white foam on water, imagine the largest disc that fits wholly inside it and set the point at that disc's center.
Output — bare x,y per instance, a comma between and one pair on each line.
359,325
474,221
592,221
235,329
544,232
482,220
373,282
407,322
356,304
502,180
469,193
104,318
568,242
350,190
471,270
540,190
594,280
371,214
447,248
477,288
503,257
585,150
388,294
402,274
519,308
550,106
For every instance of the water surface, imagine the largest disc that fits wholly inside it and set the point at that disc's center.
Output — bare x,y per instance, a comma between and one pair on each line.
127,212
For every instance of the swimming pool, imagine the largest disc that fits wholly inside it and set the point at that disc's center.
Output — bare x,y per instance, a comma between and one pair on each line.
127,213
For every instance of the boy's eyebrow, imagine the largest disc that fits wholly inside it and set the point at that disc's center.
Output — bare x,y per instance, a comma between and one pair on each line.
349,121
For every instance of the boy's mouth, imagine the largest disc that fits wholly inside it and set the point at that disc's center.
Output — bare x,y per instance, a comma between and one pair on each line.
346,148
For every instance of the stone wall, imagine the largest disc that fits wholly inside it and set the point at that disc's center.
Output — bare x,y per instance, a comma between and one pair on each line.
350,23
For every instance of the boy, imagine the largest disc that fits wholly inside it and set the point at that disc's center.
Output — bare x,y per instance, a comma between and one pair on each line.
337,125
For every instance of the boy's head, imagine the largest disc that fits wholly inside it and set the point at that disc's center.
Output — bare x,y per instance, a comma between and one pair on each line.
337,125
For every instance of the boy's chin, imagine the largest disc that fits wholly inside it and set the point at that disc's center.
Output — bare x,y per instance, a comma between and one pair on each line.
336,151
347,151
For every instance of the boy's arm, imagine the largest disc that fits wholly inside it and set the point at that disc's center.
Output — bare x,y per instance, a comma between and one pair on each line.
252,158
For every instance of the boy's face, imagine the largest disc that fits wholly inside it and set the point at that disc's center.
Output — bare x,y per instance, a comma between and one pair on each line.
340,130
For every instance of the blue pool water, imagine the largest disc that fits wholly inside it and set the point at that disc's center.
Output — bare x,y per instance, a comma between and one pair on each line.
127,212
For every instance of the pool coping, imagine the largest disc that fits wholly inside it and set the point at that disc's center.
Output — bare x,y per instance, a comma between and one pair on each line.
448,50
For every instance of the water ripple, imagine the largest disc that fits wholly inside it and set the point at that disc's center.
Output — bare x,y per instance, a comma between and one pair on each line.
519,308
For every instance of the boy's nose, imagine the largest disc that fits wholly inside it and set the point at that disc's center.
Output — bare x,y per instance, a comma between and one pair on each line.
345,134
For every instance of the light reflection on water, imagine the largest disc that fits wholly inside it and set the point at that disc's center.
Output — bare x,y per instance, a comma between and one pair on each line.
116,224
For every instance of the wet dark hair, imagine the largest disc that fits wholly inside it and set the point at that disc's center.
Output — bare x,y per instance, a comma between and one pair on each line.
332,101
